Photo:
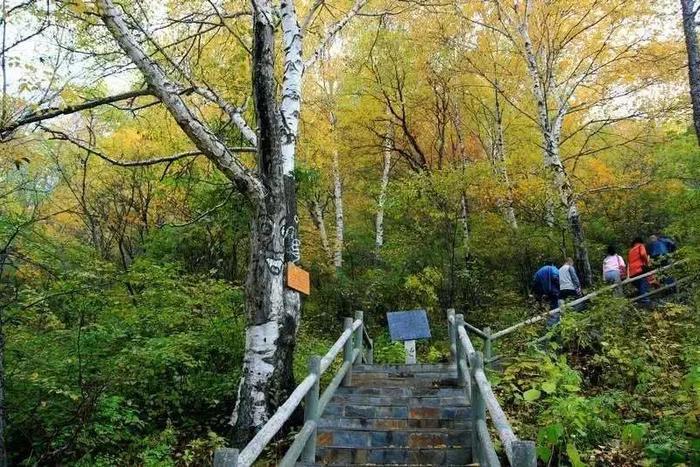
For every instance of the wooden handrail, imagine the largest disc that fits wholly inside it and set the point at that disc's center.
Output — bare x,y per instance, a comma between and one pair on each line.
471,375
304,445
535,319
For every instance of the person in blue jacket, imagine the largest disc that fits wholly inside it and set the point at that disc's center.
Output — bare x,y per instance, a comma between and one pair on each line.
657,247
545,284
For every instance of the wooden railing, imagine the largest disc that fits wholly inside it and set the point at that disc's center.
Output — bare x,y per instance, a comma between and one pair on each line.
351,342
471,376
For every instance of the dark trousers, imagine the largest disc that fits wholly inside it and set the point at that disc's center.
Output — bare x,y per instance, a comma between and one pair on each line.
568,293
642,288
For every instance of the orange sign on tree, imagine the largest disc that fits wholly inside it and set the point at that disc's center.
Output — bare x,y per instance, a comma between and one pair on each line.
298,279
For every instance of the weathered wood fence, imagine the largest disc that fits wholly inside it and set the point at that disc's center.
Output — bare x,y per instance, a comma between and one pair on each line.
351,343
470,375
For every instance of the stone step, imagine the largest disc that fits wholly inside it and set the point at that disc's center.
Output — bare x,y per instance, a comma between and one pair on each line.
310,464
405,368
411,439
403,412
331,455
404,374
401,391
426,401
394,423
437,381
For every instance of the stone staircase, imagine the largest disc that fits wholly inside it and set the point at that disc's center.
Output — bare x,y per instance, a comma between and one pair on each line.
396,415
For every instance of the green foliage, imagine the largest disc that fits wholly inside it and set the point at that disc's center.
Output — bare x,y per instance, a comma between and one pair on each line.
611,373
147,370
386,351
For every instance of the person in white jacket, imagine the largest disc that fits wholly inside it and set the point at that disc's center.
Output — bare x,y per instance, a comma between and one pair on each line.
614,268
569,285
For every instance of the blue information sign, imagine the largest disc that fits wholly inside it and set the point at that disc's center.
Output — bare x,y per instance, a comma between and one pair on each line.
408,325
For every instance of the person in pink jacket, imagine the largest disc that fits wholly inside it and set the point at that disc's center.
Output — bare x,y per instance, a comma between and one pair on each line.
614,268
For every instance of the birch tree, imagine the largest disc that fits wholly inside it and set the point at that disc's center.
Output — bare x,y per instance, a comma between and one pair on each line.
383,186
575,67
273,310
689,14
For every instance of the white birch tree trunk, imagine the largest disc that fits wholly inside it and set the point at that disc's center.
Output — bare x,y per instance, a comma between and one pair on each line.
339,217
383,186
464,220
691,46
499,163
320,224
551,137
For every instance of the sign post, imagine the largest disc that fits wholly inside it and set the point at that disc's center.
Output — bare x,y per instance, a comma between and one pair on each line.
410,347
407,326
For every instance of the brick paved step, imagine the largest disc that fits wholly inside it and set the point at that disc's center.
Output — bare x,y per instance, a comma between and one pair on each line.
309,464
395,423
426,401
411,439
402,368
403,412
402,391
392,456
362,380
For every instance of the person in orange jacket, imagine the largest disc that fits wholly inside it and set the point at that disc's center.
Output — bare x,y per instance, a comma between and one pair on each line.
638,263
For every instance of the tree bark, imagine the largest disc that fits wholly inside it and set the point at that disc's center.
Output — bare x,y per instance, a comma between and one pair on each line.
691,46
339,216
498,159
320,223
273,310
3,414
551,128
383,185
464,220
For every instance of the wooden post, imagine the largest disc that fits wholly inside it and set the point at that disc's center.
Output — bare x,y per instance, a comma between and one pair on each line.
226,457
359,337
347,353
311,409
451,332
410,347
460,350
524,454
478,404
487,347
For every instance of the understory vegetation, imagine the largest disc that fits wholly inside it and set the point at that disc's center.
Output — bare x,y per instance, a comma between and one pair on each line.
614,385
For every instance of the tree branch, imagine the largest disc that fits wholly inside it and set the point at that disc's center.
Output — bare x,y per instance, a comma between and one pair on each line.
52,112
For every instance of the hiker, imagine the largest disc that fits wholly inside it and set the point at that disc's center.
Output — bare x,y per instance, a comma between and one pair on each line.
638,263
614,268
546,285
657,248
670,244
569,285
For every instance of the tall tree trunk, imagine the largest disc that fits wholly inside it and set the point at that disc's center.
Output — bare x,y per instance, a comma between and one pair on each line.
568,201
691,46
3,414
320,223
498,160
273,309
464,220
383,186
339,219
551,137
